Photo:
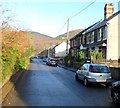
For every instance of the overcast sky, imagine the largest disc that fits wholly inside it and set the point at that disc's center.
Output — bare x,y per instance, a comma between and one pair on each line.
49,17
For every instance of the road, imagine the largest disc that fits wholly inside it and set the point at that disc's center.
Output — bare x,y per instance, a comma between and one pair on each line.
44,85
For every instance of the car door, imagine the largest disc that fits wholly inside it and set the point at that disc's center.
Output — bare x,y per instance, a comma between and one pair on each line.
84,71
81,73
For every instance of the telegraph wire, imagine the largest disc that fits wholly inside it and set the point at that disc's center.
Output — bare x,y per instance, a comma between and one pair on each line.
76,15
83,9
62,27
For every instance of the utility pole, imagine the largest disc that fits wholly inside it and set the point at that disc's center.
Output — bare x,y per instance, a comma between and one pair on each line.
67,50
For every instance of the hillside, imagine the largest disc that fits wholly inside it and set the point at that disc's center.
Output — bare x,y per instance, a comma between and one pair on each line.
41,42
43,36
72,33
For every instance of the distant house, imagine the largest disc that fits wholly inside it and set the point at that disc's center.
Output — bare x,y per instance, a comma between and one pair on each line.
58,50
102,36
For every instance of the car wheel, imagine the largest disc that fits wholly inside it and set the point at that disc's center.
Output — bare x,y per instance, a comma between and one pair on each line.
76,77
115,97
85,82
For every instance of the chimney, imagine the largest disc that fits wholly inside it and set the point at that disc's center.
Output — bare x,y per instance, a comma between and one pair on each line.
108,10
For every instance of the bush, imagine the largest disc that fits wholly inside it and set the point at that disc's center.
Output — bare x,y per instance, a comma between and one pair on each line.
16,51
9,61
93,55
99,56
67,59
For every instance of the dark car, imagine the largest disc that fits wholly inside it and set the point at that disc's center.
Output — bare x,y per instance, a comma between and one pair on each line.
115,92
44,60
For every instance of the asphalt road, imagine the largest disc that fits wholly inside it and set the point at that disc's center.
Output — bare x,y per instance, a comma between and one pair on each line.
44,85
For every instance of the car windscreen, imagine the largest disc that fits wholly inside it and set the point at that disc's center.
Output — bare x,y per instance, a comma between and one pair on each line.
53,60
100,69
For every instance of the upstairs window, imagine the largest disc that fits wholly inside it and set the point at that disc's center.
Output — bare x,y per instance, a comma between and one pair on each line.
105,33
99,35
83,39
88,38
92,37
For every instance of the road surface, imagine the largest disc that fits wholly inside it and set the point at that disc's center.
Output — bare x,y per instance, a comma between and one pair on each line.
44,85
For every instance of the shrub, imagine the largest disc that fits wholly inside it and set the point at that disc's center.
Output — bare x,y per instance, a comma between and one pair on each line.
99,56
82,55
93,55
67,58
16,51
9,61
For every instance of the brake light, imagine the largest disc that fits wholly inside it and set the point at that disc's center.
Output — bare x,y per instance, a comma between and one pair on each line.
90,68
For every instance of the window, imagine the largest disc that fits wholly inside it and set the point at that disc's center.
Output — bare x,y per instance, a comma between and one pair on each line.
83,39
104,33
92,37
100,69
83,67
99,35
74,43
88,38
80,39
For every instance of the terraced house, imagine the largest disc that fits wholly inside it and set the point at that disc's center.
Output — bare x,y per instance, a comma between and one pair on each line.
102,36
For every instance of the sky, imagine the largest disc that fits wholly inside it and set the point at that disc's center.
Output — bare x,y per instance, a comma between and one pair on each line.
50,16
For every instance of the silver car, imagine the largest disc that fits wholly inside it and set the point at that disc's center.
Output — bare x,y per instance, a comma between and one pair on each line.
94,73
52,61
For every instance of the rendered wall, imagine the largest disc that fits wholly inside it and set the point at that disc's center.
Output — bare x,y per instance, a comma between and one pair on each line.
112,39
119,30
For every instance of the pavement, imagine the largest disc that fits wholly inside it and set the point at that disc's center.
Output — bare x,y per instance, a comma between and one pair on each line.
68,68
5,89
75,69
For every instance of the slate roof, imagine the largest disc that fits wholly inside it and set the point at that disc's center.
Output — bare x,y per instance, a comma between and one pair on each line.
96,25
102,23
77,35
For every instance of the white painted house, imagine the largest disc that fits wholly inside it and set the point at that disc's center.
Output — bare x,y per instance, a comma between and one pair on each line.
113,38
60,49
119,30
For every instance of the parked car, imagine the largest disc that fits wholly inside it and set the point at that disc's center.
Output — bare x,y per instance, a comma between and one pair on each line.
44,60
93,73
52,62
115,92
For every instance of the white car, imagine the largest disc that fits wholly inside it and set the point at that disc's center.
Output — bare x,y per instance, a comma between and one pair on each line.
94,73
52,61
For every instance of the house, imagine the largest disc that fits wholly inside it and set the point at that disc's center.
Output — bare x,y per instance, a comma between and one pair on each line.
100,37
58,50
77,42
119,30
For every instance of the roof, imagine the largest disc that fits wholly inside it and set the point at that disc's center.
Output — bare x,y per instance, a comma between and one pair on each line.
96,25
103,22
58,44
81,33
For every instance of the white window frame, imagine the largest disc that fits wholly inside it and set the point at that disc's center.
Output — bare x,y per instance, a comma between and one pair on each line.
80,40
83,39
92,37
88,38
99,35
105,33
